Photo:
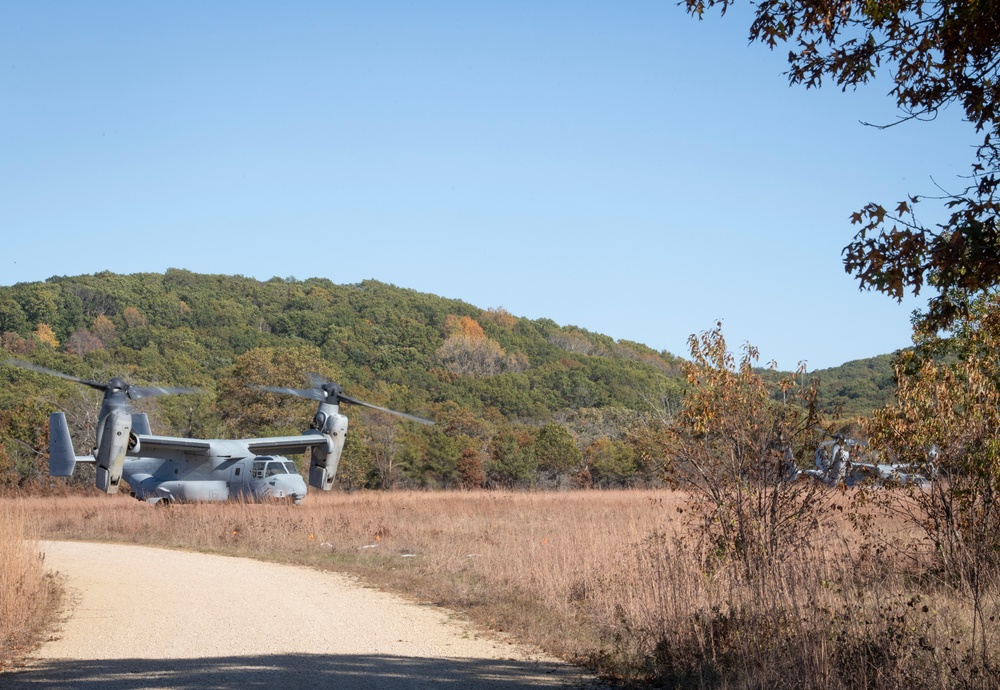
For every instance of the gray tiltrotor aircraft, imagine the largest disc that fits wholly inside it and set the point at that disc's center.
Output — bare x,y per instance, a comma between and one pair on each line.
834,467
171,469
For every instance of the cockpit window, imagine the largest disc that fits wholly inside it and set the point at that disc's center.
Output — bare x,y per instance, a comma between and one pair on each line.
257,472
275,467
290,466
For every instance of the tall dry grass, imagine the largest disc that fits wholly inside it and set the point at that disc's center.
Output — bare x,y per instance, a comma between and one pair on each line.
28,596
615,579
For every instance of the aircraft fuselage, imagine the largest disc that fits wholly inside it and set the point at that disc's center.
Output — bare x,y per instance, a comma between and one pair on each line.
241,475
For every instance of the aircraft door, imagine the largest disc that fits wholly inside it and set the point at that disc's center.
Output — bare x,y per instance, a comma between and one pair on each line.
237,480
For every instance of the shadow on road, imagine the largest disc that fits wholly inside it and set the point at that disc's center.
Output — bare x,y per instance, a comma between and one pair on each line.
312,671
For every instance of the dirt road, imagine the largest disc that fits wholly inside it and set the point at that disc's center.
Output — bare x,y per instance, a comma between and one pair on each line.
154,618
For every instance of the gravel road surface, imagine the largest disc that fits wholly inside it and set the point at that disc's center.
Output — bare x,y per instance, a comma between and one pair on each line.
153,618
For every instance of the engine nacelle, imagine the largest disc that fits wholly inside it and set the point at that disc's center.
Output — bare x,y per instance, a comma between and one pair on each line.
110,455
324,460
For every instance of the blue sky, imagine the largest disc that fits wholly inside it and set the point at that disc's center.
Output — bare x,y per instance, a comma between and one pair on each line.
617,166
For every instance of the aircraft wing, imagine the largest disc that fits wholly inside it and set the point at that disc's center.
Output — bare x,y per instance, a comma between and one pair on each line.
150,446
157,446
285,444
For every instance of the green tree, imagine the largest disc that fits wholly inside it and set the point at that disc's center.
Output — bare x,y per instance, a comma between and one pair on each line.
440,464
511,460
357,466
610,463
555,450
937,54
23,443
12,317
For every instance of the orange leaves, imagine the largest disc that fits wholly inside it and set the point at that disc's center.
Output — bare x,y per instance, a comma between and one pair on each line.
464,326
729,447
467,350
133,317
945,404
945,424
46,335
500,316
721,386
104,329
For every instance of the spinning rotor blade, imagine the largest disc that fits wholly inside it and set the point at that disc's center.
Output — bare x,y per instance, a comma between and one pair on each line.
133,392
136,392
310,393
50,372
327,391
411,417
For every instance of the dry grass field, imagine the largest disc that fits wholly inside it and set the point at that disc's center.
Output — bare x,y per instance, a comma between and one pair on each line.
617,580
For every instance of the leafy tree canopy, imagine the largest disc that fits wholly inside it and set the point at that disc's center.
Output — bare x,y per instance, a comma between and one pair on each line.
937,53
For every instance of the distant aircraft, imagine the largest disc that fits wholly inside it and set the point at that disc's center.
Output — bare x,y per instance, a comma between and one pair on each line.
167,469
835,467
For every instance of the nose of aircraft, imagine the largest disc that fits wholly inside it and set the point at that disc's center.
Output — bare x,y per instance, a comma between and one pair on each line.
288,485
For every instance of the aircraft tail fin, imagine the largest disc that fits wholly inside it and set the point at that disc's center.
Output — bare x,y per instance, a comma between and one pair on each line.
62,457
140,424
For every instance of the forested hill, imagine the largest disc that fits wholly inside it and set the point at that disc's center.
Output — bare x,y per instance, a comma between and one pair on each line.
856,388
517,401
487,377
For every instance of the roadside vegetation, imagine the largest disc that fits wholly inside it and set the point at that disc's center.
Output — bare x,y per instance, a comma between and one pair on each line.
29,596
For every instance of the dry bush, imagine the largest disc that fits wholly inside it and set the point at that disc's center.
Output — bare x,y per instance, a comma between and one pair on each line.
838,617
945,424
28,597
732,447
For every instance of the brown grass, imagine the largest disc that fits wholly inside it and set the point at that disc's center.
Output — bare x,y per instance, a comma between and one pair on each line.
29,597
615,579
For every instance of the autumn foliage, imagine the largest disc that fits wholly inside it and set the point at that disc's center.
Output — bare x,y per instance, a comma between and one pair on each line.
468,351
733,447
945,424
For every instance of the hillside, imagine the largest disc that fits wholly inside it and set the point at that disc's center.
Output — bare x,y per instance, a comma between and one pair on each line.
518,401
856,388
493,381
